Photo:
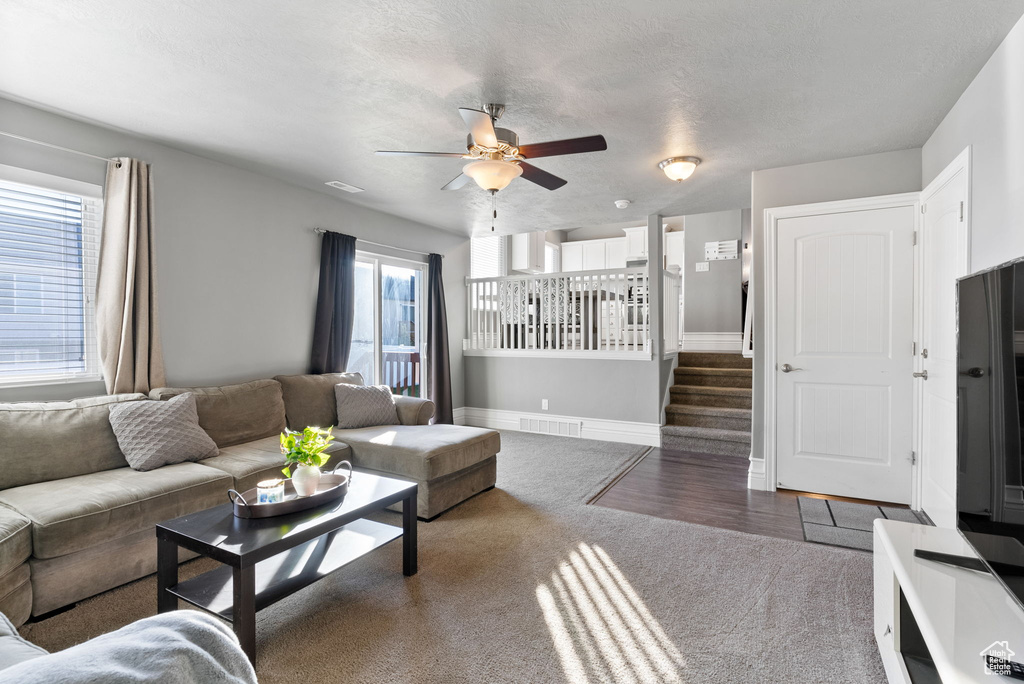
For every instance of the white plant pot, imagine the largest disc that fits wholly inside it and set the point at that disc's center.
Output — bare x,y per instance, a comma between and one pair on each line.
305,479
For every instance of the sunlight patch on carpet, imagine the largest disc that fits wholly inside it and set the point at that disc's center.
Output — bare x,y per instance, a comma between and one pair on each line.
601,628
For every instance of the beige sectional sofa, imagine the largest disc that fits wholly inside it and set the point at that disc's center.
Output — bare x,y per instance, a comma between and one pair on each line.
70,505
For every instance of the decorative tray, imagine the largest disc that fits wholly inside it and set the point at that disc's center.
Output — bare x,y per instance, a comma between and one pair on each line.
332,486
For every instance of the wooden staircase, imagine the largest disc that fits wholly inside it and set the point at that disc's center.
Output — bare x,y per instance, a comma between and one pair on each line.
709,411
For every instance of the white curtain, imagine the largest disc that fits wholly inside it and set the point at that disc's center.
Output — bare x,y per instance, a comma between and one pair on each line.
126,313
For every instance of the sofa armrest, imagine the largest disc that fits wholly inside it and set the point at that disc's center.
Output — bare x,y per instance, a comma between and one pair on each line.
414,410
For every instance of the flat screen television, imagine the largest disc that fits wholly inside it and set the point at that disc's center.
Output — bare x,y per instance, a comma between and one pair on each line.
990,414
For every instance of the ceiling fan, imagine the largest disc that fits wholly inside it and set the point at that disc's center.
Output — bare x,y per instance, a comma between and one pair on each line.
496,156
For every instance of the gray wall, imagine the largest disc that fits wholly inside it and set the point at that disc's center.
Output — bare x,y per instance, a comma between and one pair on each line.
868,176
237,260
989,117
712,299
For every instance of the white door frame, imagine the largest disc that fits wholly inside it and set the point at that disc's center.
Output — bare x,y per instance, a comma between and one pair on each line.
769,342
962,162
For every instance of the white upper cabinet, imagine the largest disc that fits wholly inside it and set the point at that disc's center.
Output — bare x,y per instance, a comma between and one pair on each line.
572,256
636,243
528,252
615,253
675,249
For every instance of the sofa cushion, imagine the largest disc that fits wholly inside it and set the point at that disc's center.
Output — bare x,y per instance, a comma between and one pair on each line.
253,462
152,434
365,406
78,512
421,452
235,414
309,399
55,439
15,540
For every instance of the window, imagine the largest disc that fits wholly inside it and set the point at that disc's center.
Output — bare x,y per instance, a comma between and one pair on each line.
387,332
487,257
49,247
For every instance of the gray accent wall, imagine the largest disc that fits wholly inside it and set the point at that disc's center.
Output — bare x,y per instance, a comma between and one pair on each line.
871,175
712,299
236,256
989,117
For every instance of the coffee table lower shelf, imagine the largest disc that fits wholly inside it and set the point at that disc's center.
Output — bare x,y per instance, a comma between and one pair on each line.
284,574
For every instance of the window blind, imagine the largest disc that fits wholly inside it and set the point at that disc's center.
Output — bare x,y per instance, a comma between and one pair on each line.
49,248
487,256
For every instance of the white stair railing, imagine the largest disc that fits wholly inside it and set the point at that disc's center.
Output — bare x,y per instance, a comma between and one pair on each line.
580,313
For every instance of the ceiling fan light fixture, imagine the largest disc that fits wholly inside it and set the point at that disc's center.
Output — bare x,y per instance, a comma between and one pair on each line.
679,168
492,174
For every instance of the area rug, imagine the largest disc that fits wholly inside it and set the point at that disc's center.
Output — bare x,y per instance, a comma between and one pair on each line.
845,523
527,583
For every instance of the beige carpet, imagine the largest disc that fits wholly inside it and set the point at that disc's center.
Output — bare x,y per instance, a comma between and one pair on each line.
526,583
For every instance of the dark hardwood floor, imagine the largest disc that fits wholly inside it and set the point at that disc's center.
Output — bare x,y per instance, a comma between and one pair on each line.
706,490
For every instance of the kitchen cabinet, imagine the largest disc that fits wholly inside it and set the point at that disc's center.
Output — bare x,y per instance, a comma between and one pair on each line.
528,252
675,249
636,243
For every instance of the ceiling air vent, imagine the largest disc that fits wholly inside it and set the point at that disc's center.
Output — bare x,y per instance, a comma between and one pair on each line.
343,186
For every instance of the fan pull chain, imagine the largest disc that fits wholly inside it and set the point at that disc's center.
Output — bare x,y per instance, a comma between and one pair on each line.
494,208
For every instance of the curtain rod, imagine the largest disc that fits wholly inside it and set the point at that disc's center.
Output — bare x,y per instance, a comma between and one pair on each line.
320,231
55,147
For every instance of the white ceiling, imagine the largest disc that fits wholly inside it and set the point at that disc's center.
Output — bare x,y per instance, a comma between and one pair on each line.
306,91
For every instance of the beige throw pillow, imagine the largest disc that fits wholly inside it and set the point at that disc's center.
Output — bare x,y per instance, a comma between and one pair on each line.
158,433
360,406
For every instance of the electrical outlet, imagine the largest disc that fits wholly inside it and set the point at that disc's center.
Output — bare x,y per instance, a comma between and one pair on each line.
702,266
543,404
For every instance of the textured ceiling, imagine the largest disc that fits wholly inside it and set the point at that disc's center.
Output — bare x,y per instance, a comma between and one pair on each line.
306,91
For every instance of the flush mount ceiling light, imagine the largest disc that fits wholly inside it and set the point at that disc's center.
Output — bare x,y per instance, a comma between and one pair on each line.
492,174
679,168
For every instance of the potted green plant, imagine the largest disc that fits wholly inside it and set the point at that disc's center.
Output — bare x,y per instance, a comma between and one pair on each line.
305,452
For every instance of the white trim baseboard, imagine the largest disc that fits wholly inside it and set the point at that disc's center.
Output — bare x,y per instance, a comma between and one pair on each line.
459,415
712,341
756,476
647,434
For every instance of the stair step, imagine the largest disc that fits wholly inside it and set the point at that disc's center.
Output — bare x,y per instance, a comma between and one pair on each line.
714,360
708,416
703,395
718,377
706,440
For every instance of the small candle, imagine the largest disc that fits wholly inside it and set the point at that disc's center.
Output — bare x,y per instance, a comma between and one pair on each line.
270,491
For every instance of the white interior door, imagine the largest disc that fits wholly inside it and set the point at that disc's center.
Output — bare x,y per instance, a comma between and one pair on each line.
943,260
844,418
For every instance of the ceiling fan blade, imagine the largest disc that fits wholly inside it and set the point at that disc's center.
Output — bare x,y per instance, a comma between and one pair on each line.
399,153
457,182
541,178
591,143
480,127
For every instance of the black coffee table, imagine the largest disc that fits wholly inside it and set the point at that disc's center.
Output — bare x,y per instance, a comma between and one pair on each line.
268,559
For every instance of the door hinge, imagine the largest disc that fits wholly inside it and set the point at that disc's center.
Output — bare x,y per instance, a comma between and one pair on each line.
923,206
913,458
915,349
915,238
961,212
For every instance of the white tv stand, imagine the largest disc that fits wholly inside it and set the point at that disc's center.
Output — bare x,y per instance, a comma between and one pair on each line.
932,620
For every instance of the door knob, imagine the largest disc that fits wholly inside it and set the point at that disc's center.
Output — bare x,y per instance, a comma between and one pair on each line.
923,375
786,368
974,372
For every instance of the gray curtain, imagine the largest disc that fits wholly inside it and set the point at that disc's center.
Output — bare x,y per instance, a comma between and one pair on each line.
127,329
335,304
439,373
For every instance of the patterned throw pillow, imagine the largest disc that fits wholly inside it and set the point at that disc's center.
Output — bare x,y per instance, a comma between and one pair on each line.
158,433
360,406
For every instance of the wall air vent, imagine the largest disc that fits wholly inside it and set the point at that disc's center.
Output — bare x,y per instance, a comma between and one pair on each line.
545,426
343,186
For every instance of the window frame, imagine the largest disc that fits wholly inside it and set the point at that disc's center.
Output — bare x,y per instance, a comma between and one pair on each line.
378,260
92,196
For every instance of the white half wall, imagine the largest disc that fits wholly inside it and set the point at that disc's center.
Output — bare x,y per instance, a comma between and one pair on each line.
629,432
